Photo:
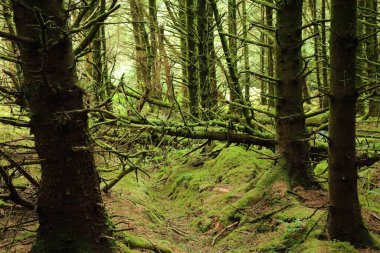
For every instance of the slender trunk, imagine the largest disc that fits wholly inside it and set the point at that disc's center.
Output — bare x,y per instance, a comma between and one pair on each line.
247,75
183,45
232,43
70,209
317,50
213,59
361,64
204,55
345,221
140,54
167,68
263,38
271,85
372,57
193,83
234,80
290,123
155,89
325,60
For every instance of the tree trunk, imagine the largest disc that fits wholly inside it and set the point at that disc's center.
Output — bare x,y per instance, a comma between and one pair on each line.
317,51
232,44
345,222
290,123
70,210
204,55
183,45
361,64
325,62
271,85
192,79
234,80
167,68
247,75
372,56
263,38
155,89
138,33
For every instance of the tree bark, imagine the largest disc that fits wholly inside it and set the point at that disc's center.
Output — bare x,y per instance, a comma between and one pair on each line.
345,221
70,210
271,85
290,123
361,64
372,54
325,62
192,78
140,44
204,55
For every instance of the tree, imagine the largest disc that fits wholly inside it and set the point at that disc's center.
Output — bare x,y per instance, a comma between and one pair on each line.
70,210
191,42
290,122
345,220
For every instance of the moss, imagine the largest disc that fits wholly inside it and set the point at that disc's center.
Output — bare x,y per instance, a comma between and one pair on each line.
317,246
231,213
24,236
135,242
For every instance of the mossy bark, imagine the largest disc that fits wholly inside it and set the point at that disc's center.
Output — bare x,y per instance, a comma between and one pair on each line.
70,210
192,77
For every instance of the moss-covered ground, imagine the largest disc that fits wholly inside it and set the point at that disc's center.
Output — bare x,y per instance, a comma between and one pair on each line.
216,199
231,199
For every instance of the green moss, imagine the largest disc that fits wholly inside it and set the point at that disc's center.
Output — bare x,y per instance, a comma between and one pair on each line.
24,236
135,242
231,213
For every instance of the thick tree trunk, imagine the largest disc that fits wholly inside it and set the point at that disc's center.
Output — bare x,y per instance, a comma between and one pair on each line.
345,222
290,122
71,214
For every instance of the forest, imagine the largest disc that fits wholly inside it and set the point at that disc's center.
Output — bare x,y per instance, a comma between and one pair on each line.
182,126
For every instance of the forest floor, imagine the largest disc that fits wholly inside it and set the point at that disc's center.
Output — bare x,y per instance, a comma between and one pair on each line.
207,201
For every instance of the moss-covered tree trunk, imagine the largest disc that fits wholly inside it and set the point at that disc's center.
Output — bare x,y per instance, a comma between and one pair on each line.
263,84
70,210
140,43
271,85
204,55
232,44
290,122
345,222
247,75
192,77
